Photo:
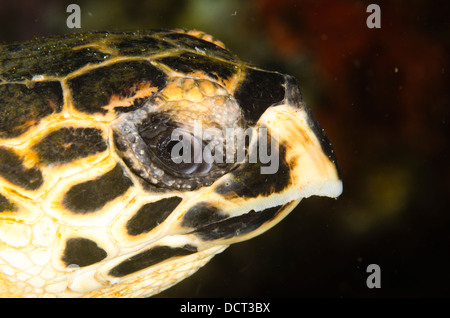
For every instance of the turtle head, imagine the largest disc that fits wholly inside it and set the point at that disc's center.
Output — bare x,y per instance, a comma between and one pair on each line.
128,160
247,156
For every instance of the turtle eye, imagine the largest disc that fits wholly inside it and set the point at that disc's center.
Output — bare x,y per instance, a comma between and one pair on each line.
179,152
166,154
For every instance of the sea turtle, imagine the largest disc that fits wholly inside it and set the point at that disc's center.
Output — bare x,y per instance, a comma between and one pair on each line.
93,201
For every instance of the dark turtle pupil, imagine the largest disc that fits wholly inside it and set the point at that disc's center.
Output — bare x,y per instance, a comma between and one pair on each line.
172,144
160,143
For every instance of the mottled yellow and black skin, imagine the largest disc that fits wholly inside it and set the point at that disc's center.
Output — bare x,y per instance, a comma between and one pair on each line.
89,205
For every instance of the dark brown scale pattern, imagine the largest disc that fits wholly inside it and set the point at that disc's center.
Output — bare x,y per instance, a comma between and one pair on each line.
237,226
92,195
22,107
68,144
52,56
196,44
248,182
13,170
6,205
82,252
140,46
258,91
149,258
201,215
93,90
192,63
151,215
64,54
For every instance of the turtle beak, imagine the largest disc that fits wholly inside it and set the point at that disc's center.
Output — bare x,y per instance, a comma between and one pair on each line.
307,150
301,163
